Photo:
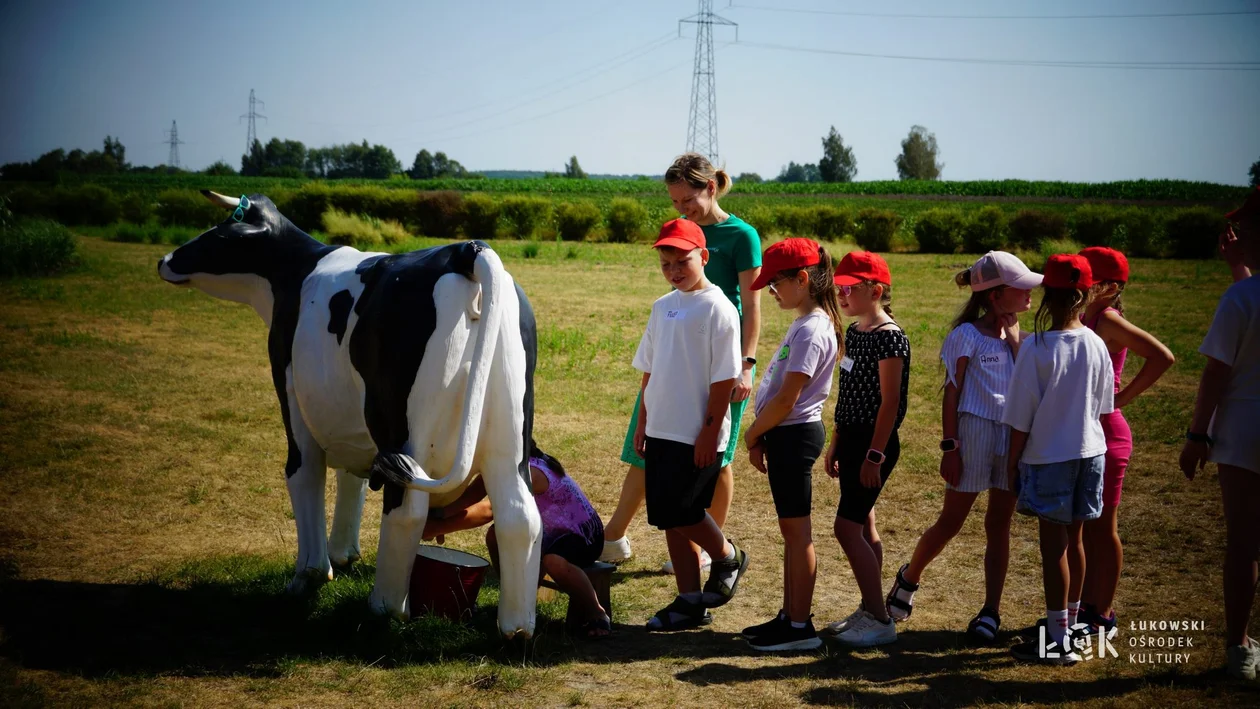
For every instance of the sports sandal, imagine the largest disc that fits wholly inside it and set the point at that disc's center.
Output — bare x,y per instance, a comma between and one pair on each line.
898,609
592,627
694,614
716,593
984,627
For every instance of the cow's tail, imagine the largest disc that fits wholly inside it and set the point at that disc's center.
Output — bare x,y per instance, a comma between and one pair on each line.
401,468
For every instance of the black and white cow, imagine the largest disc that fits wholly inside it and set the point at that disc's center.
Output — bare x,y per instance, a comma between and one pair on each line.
386,366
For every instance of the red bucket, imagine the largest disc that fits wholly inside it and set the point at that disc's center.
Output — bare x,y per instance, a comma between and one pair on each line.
446,581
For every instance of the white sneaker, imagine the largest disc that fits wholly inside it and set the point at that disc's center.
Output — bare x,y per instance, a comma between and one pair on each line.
839,626
616,551
1243,660
705,563
866,631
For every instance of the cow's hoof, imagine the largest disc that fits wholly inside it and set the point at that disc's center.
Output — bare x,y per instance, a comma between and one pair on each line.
382,607
343,563
517,635
308,581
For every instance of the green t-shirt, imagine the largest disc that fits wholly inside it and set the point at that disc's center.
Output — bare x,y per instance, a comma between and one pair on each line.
733,247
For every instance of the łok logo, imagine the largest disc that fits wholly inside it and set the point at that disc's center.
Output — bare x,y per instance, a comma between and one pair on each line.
1081,641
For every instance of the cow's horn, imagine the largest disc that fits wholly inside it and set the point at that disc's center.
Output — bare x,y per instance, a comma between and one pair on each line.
221,199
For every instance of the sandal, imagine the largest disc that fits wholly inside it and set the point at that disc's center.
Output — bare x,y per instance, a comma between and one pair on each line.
602,623
716,593
898,609
984,627
694,615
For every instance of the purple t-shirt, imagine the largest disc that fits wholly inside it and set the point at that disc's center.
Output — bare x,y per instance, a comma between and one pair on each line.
808,347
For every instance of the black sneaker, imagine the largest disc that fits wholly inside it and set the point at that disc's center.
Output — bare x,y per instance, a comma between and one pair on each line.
1034,651
753,631
783,637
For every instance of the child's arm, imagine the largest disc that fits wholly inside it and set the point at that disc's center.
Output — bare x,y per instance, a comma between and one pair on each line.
951,461
750,328
469,511
777,408
1015,451
719,404
1231,250
890,399
1212,386
1158,358
640,430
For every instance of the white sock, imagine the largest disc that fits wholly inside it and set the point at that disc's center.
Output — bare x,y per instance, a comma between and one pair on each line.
1073,610
798,626
1056,628
730,556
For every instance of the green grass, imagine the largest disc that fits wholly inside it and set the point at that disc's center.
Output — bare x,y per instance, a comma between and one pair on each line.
146,535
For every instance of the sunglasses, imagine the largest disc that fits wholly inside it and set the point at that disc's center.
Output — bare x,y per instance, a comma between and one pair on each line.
848,290
773,286
241,208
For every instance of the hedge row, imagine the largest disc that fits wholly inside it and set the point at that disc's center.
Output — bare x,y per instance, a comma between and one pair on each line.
1181,233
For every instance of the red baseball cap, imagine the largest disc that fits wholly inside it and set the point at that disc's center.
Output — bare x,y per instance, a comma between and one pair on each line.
787,254
1249,209
1067,271
1107,264
680,234
858,266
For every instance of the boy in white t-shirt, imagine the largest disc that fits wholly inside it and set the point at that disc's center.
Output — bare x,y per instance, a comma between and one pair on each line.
1062,383
690,359
1223,429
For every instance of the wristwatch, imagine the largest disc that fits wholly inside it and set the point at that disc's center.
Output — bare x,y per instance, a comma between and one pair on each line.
750,360
949,444
874,456
1198,437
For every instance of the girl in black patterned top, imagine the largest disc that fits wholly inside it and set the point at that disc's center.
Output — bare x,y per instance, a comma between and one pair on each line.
873,380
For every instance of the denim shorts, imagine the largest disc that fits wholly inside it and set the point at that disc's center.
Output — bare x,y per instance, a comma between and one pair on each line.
1063,493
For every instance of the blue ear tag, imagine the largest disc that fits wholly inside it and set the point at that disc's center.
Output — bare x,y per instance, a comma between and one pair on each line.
241,208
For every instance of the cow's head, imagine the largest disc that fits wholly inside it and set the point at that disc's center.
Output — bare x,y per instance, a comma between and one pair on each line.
237,259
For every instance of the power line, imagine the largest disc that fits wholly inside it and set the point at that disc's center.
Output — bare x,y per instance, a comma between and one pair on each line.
914,16
172,139
702,135
1164,66
252,134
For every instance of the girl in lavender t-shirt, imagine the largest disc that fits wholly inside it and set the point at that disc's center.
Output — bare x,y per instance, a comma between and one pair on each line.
788,433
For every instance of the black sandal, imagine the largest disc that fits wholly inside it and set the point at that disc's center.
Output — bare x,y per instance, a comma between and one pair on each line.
715,586
695,615
603,623
986,621
892,601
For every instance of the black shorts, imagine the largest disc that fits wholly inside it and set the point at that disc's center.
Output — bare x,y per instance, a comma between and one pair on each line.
678,493
857,500
790,454
577,549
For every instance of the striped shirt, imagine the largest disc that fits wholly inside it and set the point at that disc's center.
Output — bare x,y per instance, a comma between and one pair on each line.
990,366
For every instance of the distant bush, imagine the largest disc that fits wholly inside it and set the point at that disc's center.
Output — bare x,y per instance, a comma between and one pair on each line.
875,229
437,213
481,216
795,221
1095,225
576,220
939,230
1192,233
188,208
985,231
627,219
35,247
87,205
525,214
1142,233
361,231
137,207
761,218
531,249
831,223
130,234
1030,228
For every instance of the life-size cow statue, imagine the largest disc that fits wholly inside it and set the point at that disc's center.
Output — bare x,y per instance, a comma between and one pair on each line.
388,368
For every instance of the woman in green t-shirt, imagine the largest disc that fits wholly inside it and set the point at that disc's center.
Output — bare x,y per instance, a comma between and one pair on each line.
734,263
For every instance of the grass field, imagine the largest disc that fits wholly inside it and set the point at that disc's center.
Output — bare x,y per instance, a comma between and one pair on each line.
146,534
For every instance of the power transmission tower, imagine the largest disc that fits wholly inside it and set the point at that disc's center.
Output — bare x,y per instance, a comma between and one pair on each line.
702,135
172,137
253,114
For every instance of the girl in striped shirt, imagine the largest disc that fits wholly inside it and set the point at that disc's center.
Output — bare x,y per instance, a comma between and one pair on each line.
979,357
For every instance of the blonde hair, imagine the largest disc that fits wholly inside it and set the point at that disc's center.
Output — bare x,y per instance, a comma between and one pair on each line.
696,170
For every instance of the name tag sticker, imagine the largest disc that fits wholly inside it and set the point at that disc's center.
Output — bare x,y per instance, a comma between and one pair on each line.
846,363
993,359
675,315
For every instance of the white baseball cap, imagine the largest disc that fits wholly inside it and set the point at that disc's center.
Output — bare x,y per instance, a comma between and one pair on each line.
998,268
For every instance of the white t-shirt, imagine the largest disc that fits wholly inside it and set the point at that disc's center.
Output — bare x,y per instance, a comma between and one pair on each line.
691,341
1234,338
1063,381
990,365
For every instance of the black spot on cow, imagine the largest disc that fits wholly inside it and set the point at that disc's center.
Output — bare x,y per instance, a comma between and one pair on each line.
339,312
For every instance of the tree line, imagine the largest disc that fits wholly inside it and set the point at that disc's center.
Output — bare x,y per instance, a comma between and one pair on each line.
917,161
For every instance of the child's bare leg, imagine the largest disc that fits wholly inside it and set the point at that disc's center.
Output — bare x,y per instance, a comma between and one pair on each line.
1104,560
800,567
997,546
865,563
575,582
632,494
492,545
723,493
686,561
1076,562
872,539
1240,489
1054,564
954,512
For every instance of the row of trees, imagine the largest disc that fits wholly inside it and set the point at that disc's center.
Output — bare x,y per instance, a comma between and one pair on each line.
112,158
917,161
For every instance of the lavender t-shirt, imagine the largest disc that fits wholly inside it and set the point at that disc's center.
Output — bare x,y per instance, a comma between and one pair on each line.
808,347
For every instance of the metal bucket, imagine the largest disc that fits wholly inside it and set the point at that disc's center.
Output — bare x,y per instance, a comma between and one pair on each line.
446,582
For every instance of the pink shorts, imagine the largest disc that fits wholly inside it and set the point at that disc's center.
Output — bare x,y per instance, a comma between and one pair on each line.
1119,448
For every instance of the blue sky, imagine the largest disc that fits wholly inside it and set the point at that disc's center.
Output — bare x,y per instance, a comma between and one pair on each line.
524,85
